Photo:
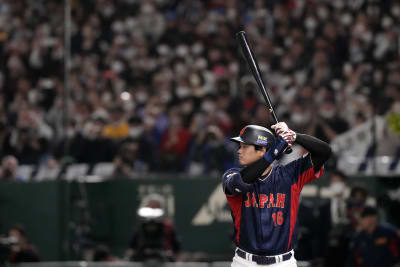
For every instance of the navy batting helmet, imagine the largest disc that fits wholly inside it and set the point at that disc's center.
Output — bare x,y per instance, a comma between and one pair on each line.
255,135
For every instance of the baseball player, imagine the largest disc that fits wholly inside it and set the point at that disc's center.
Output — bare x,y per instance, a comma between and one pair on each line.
264,199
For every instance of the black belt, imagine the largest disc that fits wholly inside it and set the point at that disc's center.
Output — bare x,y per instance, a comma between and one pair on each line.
263,260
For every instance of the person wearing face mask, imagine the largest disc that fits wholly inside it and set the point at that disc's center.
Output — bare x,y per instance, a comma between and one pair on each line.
20,248
208,153
334,222
145,138
376,244
358,199
8,169
327,123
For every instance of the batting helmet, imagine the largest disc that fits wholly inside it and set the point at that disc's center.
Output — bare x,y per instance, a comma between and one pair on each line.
255,135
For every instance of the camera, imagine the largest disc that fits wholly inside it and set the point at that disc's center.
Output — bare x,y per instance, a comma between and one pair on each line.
5,247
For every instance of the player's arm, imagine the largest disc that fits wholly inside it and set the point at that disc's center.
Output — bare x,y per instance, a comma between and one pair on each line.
319,150
253,171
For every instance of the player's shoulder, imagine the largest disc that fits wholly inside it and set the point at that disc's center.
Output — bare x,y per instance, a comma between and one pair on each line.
281,174
231,171
279,170
387,228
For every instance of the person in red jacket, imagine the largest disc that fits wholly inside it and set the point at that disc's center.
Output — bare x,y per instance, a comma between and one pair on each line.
174,144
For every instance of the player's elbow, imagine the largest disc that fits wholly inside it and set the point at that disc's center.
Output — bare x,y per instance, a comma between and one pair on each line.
329,153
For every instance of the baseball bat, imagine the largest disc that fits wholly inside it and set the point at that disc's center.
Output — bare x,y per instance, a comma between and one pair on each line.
251,60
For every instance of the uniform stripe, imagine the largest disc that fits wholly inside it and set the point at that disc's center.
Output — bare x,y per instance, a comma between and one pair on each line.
394,249
235,202
308,176
295,190
294,206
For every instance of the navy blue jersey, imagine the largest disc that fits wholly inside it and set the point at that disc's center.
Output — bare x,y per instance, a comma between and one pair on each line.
265,218
381,248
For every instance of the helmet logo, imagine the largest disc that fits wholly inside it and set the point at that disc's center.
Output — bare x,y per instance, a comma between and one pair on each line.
242,131
262,140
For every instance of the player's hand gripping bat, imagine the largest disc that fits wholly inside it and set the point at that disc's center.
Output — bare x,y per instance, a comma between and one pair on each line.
248,53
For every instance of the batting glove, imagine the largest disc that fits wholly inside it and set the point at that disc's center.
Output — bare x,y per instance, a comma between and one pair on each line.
275,152
281,129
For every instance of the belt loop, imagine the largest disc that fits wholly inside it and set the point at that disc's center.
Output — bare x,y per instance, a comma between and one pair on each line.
279,258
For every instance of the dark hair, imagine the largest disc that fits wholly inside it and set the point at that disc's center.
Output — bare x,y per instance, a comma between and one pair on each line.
257,147
369,211
358,189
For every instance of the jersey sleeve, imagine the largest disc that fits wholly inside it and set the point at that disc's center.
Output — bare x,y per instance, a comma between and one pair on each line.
302,171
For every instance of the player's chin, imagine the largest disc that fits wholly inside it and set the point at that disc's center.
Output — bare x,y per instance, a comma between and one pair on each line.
242,162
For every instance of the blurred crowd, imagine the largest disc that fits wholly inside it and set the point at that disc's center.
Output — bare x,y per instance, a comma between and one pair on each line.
160,85
347,227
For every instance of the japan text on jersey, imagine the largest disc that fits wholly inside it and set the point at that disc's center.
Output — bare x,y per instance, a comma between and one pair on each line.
265,219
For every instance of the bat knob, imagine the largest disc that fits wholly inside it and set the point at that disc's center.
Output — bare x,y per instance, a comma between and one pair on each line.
240,33
288,150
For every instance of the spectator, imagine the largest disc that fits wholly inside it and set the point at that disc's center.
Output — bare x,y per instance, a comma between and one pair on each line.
327,123
334,225
208,153
4,139
376,244
127,163
118,128
339,53
308,246
8,170
30,139
21,249
144,134
174,144
358,199
91,146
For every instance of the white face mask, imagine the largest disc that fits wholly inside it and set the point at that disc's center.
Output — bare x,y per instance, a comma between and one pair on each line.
70,133
337,188
300,119
117,66
182,50
165,96
141,97
346,19
135,132
187,107
322,13
327,114
338,4
396,11
182,92
310,23
208,106
108,11
197,48
194,80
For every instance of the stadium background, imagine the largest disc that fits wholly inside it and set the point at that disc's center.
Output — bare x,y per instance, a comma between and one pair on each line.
103,102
